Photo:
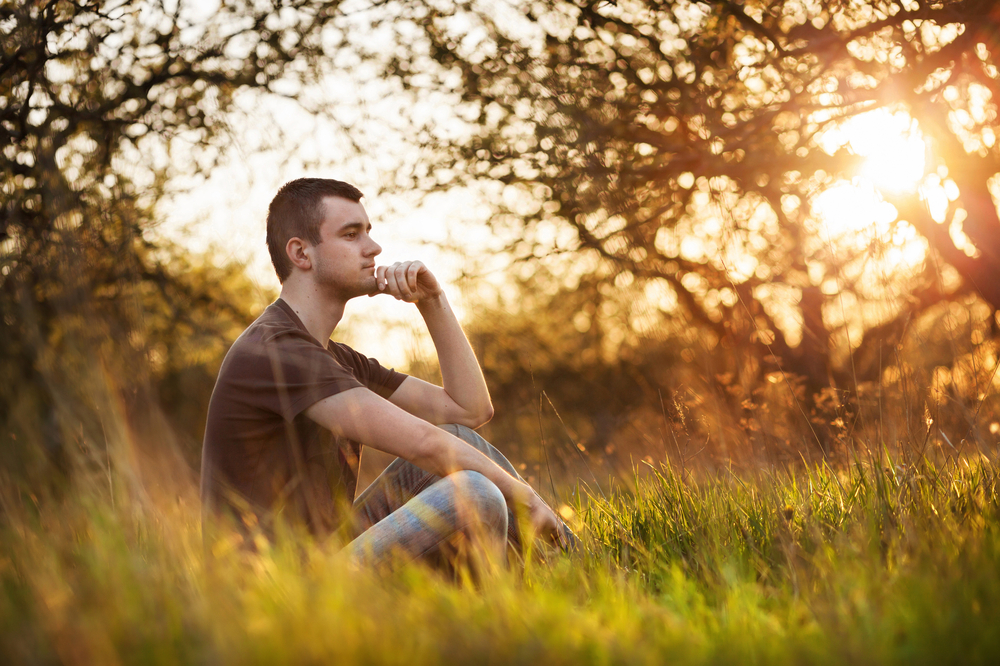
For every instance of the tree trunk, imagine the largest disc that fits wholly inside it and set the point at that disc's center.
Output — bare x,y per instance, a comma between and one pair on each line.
983,229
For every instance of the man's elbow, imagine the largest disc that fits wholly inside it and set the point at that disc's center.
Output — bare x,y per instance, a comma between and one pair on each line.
478,418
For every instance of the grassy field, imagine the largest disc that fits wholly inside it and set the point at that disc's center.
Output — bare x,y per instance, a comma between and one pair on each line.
879,561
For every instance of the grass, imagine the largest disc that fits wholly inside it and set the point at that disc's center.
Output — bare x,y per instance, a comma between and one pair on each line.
882,561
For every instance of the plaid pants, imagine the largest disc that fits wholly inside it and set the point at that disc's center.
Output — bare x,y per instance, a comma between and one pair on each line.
416,514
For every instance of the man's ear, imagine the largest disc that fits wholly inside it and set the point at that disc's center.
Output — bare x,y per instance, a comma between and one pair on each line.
298,254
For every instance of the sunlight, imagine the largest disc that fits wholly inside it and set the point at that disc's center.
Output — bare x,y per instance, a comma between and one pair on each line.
894,162
849,207
891,143
893,148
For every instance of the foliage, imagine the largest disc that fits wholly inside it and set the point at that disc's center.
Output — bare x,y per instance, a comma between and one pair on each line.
585,386
683,145
885,561
104,104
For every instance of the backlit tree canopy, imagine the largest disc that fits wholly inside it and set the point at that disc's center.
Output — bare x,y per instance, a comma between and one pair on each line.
794,179
715,151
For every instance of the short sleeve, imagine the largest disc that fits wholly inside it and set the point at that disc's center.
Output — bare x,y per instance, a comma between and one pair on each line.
287,373
376,377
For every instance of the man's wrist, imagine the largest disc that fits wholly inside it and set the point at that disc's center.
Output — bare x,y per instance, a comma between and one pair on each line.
521,494
435,301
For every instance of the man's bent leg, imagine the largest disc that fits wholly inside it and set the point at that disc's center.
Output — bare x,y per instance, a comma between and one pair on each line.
570,540
401,481
465,504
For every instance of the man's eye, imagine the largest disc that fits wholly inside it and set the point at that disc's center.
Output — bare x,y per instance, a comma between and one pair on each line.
352,234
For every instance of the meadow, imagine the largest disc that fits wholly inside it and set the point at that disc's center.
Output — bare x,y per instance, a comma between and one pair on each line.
880,559
747,336
717,524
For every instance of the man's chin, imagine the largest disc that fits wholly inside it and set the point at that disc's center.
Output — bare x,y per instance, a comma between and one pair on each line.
370,287
349,292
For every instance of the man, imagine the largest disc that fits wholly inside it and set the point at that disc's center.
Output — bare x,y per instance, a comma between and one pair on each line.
291,408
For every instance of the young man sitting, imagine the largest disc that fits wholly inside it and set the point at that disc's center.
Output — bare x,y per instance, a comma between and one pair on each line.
291,408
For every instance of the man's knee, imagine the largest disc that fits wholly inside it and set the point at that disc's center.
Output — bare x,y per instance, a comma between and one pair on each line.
475,492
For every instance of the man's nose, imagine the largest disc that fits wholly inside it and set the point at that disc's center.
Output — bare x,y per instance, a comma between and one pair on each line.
375,249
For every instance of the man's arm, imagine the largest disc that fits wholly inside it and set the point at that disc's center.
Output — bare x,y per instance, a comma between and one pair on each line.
361,415
464,398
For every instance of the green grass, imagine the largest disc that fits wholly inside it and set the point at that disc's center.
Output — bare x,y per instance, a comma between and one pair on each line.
879,562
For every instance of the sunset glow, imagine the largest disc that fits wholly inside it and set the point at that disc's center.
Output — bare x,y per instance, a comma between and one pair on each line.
894,163
893,147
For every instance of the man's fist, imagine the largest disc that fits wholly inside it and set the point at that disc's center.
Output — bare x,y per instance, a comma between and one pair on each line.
408,281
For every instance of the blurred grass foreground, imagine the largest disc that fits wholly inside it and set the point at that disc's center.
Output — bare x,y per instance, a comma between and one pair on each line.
881,561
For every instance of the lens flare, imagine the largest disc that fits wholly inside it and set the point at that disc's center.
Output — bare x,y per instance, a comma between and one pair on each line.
895,159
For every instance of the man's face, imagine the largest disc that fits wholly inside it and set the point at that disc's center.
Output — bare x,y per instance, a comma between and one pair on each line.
344,261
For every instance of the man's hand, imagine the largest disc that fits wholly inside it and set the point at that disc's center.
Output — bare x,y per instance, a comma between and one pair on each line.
408,281
542,518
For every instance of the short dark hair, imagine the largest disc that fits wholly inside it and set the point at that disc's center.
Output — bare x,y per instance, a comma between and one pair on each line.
295,213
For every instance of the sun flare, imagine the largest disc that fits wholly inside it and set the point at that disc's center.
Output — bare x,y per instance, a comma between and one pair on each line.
894,150
895,162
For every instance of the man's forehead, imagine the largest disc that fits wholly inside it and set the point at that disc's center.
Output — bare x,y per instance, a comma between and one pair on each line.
342,212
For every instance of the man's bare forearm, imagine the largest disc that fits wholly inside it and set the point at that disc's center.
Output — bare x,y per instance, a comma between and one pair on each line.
441,453
462,377
360,415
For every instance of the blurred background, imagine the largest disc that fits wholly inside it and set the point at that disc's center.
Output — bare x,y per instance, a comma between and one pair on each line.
713,234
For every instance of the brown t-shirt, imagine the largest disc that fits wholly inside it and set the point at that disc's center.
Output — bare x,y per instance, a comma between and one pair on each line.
263,458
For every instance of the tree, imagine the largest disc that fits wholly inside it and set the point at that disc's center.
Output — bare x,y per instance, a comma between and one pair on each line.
102,102
684,145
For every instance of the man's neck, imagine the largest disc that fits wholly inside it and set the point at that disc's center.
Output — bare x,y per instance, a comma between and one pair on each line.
320,313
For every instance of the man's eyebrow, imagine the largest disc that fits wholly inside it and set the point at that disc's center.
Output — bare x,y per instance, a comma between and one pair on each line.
352,226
